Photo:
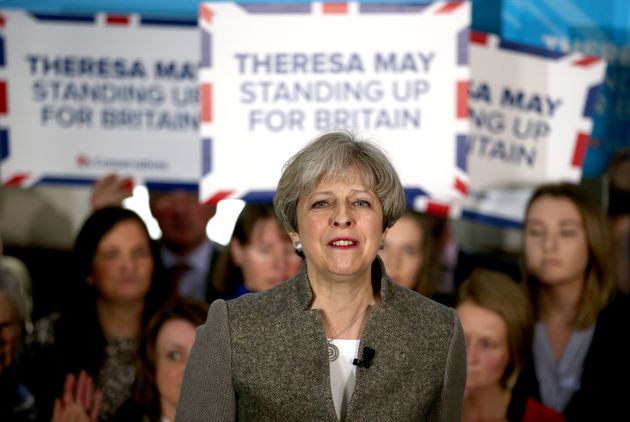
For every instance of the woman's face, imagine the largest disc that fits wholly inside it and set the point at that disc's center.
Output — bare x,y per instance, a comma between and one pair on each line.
555,245
340,226
268,259
123,265
172,347
487,349
402,253
9,331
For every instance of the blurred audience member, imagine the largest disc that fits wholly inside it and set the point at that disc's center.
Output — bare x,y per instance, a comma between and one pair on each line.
21,275
98,330
260,254
580,345
619,215
409,253
167,342
187,253
17,404
420,254
498,325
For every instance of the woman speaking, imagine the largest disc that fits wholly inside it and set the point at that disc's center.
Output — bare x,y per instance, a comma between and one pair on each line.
340,341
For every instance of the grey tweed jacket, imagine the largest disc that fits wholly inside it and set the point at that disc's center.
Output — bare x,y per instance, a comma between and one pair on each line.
263,357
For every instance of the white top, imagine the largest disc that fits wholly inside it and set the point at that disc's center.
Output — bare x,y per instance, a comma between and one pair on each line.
343,374
560,378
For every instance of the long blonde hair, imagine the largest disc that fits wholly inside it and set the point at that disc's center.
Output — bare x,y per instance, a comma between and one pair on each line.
599,284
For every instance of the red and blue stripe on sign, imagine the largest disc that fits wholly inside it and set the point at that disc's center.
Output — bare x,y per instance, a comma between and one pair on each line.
449,7
117,20
5,146
206,15
579,150
335,8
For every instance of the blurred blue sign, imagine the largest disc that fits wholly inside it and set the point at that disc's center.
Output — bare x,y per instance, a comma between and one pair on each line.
600,28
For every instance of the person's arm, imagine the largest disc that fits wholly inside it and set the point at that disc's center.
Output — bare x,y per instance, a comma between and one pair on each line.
452,400
207,393
110,190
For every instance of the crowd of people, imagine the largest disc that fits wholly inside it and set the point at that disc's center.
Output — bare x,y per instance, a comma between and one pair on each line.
347,320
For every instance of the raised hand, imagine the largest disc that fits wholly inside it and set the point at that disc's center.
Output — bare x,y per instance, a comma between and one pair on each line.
110,190
81,400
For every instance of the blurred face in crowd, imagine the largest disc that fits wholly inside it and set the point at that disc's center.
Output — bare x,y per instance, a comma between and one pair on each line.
402,253
123,265
182,219
556,250
9,331
268,259
340,225
487,349
172,347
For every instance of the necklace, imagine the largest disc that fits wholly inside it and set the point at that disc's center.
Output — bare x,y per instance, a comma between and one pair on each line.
333,351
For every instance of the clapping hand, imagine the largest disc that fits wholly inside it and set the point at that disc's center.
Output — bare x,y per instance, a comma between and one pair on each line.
81,401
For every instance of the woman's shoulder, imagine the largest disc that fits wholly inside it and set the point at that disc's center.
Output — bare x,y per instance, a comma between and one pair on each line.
414,312
280,297
408,300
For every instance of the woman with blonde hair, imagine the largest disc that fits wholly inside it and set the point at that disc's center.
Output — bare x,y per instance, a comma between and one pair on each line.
498,324
579,340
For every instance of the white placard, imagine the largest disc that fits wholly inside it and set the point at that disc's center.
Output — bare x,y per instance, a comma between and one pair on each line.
90,95
275,76
530,117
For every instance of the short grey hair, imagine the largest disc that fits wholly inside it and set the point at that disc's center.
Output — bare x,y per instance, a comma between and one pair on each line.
334,153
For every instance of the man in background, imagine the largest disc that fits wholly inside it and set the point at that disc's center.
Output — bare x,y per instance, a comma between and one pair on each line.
188,255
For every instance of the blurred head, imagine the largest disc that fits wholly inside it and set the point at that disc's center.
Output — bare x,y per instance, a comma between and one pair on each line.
337,197
261,249
408,246
114,254
12,317
566,241
498,324
182,219
167,343
619,183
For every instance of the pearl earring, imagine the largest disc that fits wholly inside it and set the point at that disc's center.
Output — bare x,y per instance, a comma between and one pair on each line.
298,247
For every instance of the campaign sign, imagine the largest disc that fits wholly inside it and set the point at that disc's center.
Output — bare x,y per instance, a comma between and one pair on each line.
530,114
83,96
275,76
590,27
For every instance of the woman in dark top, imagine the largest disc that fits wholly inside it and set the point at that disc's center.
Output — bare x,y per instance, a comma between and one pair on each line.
98,328
580,364
259,256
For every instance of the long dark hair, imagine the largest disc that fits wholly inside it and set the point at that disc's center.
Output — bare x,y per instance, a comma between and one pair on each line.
227,275
79,333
